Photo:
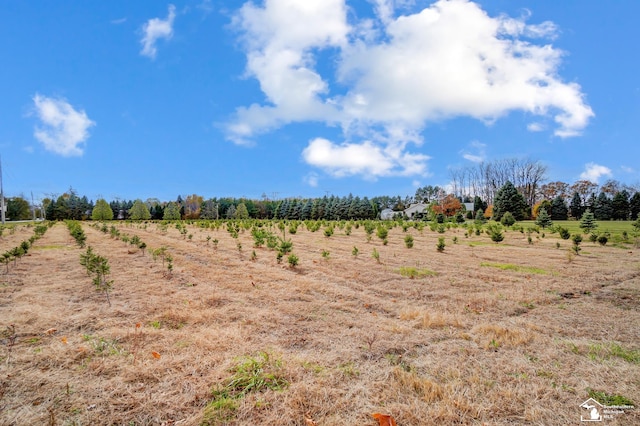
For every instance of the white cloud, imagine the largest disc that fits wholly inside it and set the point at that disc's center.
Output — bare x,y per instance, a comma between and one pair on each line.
397,74
535,127
64,129
627,169
312,180
593,172
118,21
479,154
367,159
155,29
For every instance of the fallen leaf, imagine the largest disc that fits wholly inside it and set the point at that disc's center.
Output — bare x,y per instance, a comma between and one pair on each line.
309,421
155,354
384,419
51,331
138,325
64,340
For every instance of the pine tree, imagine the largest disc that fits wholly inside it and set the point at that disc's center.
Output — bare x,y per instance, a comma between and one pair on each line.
102,211
634,206
588,222
602,208
559,210
508,199
543,220
576,209
620,205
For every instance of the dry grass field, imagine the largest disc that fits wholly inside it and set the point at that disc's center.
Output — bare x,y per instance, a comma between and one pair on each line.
482,333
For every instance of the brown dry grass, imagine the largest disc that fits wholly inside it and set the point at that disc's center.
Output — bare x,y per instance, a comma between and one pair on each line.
468,345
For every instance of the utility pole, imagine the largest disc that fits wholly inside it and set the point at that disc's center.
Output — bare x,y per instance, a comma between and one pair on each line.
2,206
33,208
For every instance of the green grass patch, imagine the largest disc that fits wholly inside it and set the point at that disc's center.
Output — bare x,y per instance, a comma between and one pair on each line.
250,375
516,268
412,272
600,351
609,399
612,226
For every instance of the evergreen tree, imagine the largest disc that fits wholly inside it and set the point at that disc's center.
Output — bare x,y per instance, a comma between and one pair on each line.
478,204
139,211
508,199
171,212
620,205
543,220
241,212
634,206
602,208
559,210
576,209
588,222
157,212
102,211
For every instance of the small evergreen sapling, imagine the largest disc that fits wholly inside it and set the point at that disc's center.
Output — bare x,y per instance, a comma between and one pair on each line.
588,222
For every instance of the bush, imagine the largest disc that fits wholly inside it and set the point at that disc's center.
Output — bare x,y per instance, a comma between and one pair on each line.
408,241
440,218
293,260
593,238
441,245
602,240
564,233
507,219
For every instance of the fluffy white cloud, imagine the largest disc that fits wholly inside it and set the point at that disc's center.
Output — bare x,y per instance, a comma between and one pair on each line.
397,74
593,172
63,129
367,159
155,29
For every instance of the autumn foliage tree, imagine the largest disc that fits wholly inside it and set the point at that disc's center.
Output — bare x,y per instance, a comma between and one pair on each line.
449,206
192,206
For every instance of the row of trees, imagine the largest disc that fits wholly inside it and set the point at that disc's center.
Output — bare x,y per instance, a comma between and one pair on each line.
609,201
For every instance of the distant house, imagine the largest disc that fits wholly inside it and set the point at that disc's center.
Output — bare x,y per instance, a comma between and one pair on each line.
468,206
387,214
415,209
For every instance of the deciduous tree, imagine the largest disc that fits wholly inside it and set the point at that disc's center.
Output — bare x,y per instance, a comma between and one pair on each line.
171,212
139,211
102,210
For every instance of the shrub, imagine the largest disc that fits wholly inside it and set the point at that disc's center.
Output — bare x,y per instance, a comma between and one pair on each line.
564,233
602,240
355,251
441,245
593,238
382,232
325,254
293,260
376,255
507,219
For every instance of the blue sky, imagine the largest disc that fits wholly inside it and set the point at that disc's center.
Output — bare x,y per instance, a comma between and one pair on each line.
144,99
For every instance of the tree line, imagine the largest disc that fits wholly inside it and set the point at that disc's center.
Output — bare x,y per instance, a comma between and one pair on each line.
488,186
